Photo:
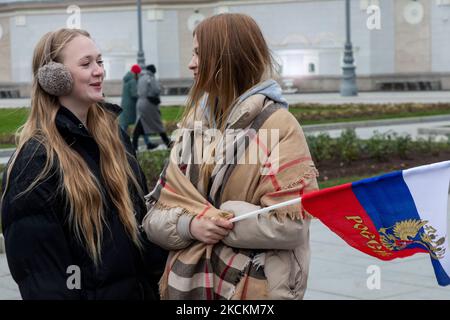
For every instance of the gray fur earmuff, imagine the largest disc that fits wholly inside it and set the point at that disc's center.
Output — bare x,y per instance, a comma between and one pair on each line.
55,79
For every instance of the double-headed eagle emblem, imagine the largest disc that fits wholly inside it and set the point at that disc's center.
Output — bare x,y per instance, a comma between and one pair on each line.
413,231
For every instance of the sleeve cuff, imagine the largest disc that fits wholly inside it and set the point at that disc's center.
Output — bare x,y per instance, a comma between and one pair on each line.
183,226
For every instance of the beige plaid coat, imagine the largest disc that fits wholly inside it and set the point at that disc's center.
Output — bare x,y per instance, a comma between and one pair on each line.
265,257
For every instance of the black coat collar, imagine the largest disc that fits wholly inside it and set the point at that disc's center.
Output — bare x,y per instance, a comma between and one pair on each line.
114,108
68,122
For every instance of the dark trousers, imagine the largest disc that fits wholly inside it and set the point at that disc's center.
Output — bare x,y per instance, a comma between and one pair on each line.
139,130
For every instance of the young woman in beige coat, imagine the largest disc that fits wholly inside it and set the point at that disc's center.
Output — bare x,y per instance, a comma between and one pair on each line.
238,149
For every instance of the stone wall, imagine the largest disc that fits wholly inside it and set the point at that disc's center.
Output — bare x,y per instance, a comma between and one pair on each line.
412,41
5,50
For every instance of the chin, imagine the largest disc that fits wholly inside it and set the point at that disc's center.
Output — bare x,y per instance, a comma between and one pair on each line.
97,98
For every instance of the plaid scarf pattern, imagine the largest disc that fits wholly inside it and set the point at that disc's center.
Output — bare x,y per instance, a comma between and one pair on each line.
208,272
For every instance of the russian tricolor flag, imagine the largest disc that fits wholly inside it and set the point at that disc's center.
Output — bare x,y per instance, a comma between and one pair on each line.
391,216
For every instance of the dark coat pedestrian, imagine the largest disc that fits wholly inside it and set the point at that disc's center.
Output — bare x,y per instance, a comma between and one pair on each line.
148,114
147,107
129,97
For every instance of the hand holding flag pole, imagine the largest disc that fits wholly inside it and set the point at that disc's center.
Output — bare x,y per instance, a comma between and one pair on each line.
266,209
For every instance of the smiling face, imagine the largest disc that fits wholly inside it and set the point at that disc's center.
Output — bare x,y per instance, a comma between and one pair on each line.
84,61
193,64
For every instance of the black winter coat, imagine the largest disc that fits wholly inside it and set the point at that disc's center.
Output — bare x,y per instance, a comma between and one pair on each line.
44,256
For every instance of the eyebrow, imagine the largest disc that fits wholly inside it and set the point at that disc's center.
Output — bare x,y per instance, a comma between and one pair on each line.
89,57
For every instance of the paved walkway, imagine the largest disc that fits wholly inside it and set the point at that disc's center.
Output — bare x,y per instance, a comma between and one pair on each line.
323,98
337,271
25,102
8,288
373,97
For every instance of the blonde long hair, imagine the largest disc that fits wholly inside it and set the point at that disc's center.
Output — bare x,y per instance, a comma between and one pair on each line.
81,188
233,56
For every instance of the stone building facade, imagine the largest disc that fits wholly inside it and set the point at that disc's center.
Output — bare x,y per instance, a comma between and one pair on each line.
397,43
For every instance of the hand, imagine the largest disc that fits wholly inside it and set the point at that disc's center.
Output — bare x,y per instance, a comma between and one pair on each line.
210,230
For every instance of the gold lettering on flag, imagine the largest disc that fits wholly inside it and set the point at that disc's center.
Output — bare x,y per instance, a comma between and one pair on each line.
372,244
400,236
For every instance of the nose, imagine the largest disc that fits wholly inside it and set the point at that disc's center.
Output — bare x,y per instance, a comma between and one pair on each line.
193,63
99,71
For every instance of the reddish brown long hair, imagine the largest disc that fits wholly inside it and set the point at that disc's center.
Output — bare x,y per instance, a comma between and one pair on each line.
233,57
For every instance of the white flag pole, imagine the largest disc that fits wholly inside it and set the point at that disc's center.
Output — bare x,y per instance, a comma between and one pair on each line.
266,209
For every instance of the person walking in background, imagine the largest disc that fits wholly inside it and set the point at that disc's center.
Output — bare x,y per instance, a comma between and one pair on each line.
148,114
129,97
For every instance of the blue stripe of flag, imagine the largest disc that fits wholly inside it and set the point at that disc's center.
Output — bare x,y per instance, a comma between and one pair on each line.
387,200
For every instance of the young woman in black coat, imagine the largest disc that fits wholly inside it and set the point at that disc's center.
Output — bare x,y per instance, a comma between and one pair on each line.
73,191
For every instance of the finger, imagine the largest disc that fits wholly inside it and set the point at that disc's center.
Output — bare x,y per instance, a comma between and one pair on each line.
210,241
213,237
216,237
223,223
222,232
219,231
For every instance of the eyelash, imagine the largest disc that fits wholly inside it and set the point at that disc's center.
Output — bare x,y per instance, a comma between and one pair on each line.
100,62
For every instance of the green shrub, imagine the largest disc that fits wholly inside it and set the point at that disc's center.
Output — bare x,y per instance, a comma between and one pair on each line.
403,146
380,146
431,145
152,164
321,113
322,146
349,146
